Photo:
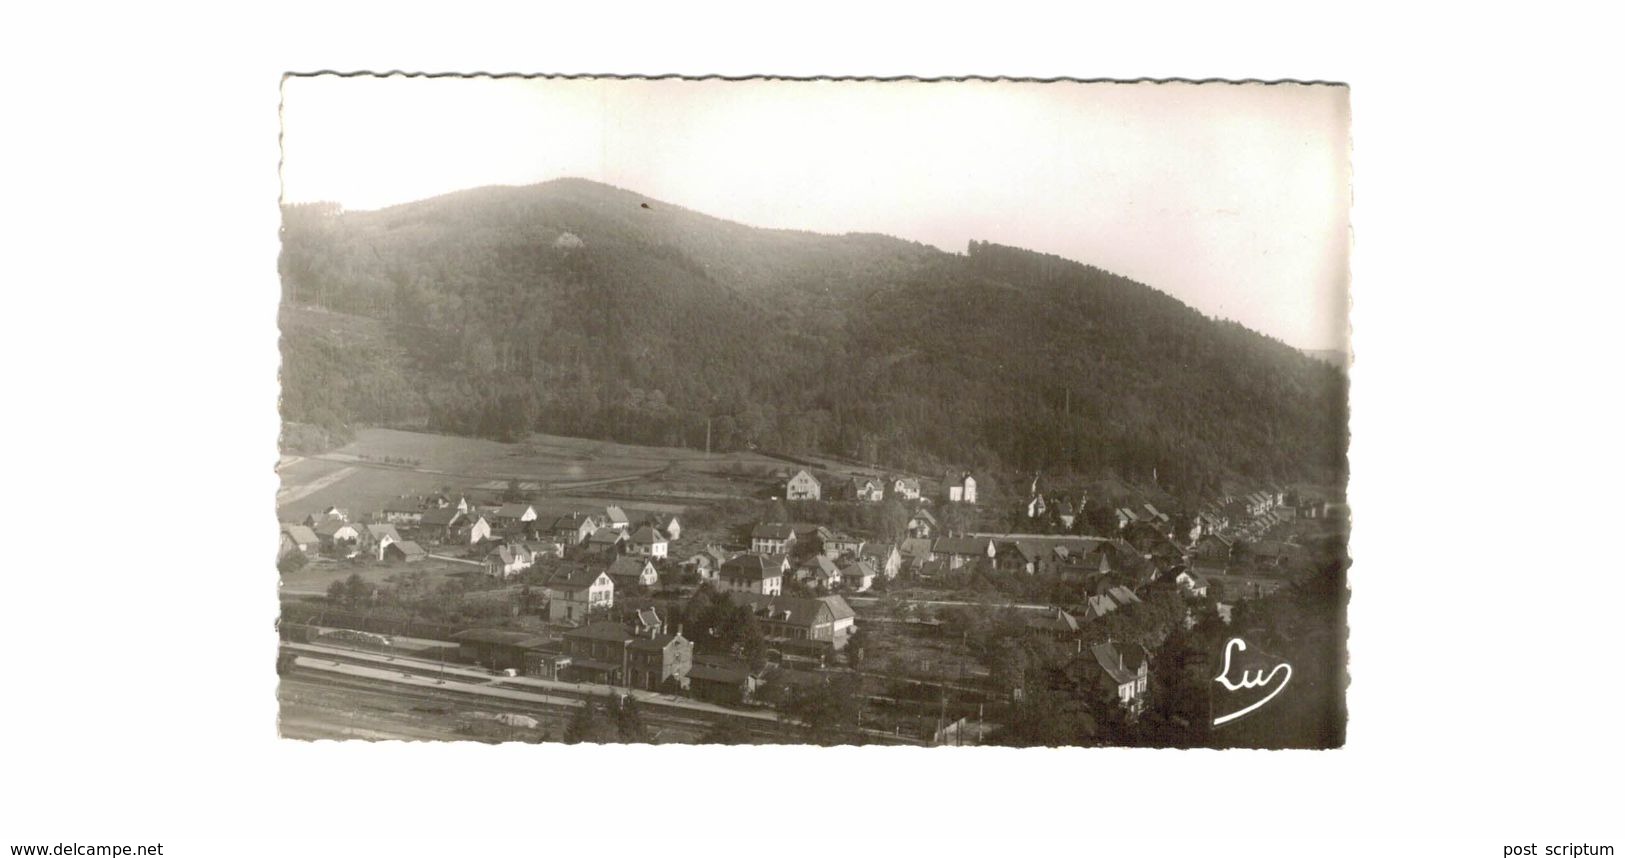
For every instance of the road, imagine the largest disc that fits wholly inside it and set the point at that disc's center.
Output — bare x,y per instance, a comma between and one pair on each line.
867,600
425,676
415,671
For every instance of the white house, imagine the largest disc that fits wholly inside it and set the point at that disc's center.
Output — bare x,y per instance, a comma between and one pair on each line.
803,486
772,538
867,490
382,535
403,511
577,593
515,513
907,488
962,490
753,573
479,531
648,542
509,560
628,570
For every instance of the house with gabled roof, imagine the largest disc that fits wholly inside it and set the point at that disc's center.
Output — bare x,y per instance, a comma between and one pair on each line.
772,538
959,550
648,542
707,562
473,529
508,560
857,575
511,514
576,592
380,536
885,556
628,572
338,535
406,551
753,573
302,538
906,488
803,486
606,540
575,528
819,571
824,619
866,490
616,517
1121,671
921,524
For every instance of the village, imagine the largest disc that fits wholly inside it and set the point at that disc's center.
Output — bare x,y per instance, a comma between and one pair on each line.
846,607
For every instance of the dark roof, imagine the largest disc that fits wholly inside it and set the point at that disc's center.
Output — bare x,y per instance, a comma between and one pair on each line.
514,510
300,534
627,567
961,545
656,643
796,610
574,577
441,517
752,567
648,536
408,548
772,531
600,632
499,636
1122,665
915,546
709,673
607,535
881,551
1060,621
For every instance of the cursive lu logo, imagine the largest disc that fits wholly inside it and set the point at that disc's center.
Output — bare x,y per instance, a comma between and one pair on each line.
1249,679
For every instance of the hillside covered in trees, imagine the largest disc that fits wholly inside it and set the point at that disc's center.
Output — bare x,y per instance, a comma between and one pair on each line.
576,308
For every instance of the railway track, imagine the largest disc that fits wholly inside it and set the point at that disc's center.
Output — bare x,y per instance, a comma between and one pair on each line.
421,700
455,697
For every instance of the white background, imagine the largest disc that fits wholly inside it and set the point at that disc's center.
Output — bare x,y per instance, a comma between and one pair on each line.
140,148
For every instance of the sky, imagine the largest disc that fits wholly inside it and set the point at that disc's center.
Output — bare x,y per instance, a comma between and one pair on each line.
1233,198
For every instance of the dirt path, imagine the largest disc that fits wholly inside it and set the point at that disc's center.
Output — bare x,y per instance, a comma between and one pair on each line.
289,494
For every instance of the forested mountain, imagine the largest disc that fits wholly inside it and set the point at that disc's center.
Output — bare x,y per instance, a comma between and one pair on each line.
577,308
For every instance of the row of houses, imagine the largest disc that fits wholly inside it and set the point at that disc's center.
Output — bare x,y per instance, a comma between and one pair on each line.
803,485
643,652
345,539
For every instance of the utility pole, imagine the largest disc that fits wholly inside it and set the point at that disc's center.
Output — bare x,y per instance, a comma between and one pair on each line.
708,435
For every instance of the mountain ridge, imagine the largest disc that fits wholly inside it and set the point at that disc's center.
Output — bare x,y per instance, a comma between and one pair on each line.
568,306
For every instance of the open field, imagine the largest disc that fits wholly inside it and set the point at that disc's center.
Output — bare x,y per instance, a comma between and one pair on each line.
318,575
322,708
382,464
